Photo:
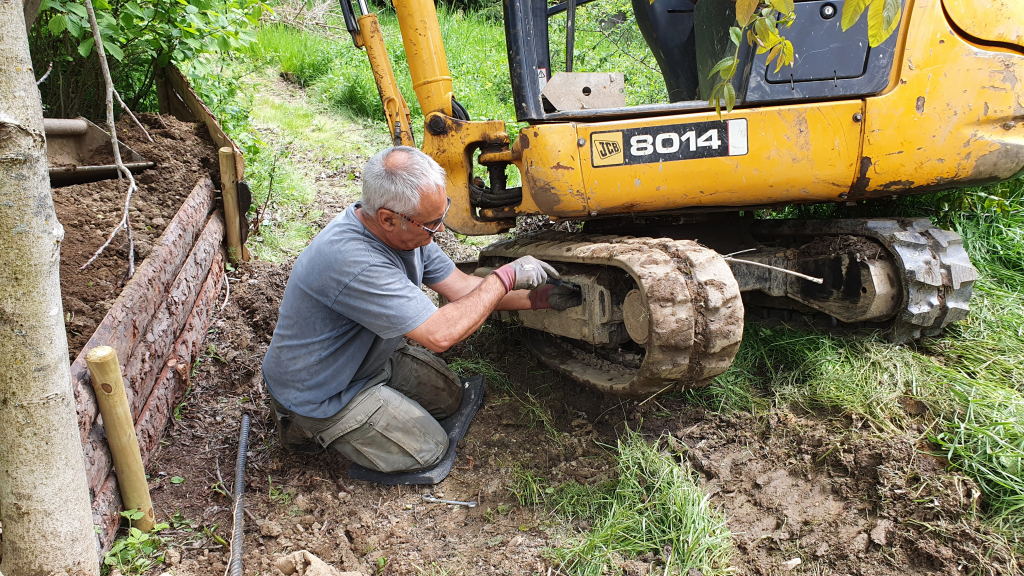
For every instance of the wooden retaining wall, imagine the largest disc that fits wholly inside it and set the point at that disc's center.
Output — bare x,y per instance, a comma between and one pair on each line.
158,323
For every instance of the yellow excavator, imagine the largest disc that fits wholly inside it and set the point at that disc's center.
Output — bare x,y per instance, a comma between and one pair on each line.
670,257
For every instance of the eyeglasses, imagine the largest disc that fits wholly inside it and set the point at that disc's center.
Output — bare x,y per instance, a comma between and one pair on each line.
431,227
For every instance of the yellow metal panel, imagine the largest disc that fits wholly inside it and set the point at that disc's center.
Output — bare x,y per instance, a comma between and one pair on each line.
548,159
956,117
451,143
994,20
797,153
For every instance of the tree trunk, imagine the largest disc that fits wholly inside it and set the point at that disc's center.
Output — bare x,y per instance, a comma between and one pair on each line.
44,498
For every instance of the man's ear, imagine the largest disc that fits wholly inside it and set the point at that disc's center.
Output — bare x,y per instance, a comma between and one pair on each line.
387,219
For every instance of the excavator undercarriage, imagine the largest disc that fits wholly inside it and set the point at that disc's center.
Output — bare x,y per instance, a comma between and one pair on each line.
668,313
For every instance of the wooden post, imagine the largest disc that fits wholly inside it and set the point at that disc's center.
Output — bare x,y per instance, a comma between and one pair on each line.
228,179
117,422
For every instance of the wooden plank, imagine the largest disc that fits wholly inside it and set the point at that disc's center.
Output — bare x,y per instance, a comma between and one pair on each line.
134,308
170,386
151,353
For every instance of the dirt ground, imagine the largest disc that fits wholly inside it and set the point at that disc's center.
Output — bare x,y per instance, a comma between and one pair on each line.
841,500
183,153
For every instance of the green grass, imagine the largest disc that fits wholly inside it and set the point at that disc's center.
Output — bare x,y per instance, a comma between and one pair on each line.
654,509
307,57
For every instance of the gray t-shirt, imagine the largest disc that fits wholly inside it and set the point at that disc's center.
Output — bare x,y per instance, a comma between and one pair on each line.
349,301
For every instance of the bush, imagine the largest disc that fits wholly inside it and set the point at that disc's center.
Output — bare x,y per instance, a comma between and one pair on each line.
139,37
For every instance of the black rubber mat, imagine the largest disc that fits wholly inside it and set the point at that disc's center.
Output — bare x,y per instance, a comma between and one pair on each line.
455,425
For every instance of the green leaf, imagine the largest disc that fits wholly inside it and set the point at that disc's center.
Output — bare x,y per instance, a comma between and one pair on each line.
744,10
114,50
177,479
787,53
85,48
77,9
783,6
736,35
730,97
57,24
852,9
883,16
75,28
722,64
772,54
224,44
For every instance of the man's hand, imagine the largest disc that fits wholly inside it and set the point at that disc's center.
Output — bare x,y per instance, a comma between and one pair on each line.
525,273
558,297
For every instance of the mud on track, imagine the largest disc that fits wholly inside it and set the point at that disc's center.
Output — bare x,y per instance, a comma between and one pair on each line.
841,499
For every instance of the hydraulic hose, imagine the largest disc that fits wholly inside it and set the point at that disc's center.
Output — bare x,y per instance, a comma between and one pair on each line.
237,535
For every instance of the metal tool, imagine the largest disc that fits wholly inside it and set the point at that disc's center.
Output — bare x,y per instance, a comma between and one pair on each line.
430,498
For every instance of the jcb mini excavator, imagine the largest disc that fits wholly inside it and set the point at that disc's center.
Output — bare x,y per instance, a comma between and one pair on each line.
670,254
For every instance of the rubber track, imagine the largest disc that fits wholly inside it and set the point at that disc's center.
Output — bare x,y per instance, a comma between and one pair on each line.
938,277
694,305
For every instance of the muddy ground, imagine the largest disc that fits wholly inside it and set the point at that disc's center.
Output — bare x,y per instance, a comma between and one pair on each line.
842,500
183,153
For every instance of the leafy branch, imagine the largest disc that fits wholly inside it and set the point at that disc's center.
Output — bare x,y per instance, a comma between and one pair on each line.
762,19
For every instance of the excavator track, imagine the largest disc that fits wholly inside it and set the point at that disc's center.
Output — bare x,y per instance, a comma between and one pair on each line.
686,306
937,275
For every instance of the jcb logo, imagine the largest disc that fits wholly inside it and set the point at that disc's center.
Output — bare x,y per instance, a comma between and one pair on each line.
606,149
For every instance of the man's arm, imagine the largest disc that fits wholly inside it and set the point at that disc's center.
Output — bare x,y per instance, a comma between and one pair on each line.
458,284
455,321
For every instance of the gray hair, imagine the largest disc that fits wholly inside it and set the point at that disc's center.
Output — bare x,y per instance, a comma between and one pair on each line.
393,179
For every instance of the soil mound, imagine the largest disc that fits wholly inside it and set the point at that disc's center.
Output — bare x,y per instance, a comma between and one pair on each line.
183,153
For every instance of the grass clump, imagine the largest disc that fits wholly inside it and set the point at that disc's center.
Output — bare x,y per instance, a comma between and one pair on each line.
986,442
496,377
655,510
305,57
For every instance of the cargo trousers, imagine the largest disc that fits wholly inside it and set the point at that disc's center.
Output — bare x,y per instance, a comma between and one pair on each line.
391,424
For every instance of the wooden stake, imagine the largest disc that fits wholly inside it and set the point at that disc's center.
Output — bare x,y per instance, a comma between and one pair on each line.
228,179
117,423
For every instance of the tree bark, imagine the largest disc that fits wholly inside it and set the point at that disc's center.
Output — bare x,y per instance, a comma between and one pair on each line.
44,498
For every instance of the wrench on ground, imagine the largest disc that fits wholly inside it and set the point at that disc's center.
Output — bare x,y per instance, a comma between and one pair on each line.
430,498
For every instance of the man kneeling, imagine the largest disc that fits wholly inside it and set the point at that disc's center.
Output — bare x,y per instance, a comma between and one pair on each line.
338,371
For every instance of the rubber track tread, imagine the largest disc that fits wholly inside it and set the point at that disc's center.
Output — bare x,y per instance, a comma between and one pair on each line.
693,301
937,275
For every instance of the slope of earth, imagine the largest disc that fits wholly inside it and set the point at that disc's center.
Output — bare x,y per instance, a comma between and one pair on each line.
183,153
839,499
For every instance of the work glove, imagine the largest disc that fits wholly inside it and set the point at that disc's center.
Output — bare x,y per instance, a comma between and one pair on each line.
525,273
558,297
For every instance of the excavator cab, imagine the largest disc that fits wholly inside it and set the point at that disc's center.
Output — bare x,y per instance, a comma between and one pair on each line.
671,259
687,40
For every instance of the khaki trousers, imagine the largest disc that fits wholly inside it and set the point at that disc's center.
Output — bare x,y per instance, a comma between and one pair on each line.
391,425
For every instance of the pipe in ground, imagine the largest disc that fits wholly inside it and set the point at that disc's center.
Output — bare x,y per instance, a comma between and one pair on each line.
237,536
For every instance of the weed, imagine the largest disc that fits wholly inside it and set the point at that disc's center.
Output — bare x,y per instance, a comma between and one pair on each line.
655,508
536,414
137,552
529,488
180,522
278,494
496,378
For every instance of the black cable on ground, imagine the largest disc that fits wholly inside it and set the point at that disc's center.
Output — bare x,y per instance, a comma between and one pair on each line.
237,535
